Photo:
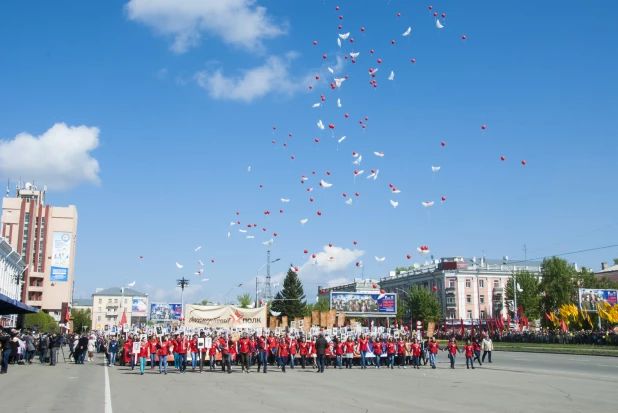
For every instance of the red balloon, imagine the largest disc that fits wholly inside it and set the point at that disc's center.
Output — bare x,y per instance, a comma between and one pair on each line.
285,144
292,156
362,29
398,14
238,222
435,288
443,198
391,185
392,42
443,15
430,7
212,261
260,185
310,199
310,87
405,328
314,42
379,60
273,141
483,127
313,255
366,118
281,211
346,115
237,213
323,56
319,213
523,162
336,7
308,189
353,153
355,172
355,242
275,234
317,77
327,172
339,27
435,14
382,292
371,51
305,251
313,172
463,37
330,245
357,194
316,141
375,286
443,143
413,61
331,126
351,40
502,158
358,264
353,61
344,194
323,291
296,269
408,256
290,135
274,127
141,256
263,229
340,17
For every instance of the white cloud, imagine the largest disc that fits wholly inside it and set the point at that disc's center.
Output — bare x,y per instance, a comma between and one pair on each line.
273,76
237,22
59,158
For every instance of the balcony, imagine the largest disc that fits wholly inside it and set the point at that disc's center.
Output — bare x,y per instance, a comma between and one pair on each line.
451,305
111,314
450,290
499,291
112,305
35,288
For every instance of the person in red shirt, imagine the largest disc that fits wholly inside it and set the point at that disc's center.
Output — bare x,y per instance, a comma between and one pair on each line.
401,353
477,350
128,352
212,353
244,346
416,354
314,352
391,350
144,353
293,351
262,348
153,351
452,351
203,351
283,353
349,352
377,351
183,347
175,347
163,352
363,346
433,351
194,352
272,347
303,349
469,350
339,354
224,347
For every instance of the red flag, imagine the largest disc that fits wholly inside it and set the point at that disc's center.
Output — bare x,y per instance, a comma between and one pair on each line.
67,315
563,325
123,319
462,327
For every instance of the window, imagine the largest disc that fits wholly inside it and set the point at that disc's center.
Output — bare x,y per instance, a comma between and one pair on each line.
482,299
99,318
99,309
452,314
109,300
469,314
467,283
496,283
483,315
116,300
451,283
468,298
450,300
481,283
100,301
125,300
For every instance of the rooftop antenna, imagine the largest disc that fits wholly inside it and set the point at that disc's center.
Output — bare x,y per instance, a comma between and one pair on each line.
7,187
525,253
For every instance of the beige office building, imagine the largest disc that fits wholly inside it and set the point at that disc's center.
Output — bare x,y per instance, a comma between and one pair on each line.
44,237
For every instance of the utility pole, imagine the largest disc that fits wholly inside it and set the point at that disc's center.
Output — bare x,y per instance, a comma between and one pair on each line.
182,283
525,253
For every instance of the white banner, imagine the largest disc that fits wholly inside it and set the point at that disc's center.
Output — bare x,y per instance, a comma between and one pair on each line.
200,316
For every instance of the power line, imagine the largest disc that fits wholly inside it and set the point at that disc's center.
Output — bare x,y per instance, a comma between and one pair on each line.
568,253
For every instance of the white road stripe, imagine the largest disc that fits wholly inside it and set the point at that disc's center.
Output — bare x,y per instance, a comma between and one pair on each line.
108,393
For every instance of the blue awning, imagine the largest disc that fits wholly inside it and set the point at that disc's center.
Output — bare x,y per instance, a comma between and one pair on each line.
10,306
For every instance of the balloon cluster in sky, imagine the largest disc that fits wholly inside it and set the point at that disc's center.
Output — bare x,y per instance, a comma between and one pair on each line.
363,61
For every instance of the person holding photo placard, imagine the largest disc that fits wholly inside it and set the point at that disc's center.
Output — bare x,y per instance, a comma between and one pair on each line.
144,353
212,353
245,347
183,347
283,353
262,347
163,351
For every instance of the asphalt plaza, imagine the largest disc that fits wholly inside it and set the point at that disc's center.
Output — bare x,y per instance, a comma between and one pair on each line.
514,382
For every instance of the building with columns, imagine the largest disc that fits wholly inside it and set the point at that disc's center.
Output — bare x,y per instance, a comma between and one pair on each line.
467,288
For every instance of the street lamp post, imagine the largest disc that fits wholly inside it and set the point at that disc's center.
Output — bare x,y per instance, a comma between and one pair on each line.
228,293
182,283
504,261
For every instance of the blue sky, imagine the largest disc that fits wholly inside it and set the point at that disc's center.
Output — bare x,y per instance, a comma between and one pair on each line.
177,132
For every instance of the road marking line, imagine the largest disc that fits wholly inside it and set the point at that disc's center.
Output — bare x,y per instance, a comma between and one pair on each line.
108,393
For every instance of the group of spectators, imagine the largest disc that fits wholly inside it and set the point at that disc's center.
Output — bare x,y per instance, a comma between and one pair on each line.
542,336
21,347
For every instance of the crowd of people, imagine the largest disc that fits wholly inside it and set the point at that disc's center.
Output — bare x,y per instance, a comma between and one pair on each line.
284,351
543,336
21,347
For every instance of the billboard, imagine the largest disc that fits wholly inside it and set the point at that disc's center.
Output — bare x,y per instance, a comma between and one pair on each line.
165,312
61,256
590,298
139,307
224,316
367,304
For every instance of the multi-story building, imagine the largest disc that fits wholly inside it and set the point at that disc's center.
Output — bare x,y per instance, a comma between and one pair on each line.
467,289
112,305
11,269
82,304
44,237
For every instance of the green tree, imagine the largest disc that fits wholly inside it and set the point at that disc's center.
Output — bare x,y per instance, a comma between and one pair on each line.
41,322
244,300
81,319
422,303
530,296
204,302
558,284
615,261
323,304
399,270
291,299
